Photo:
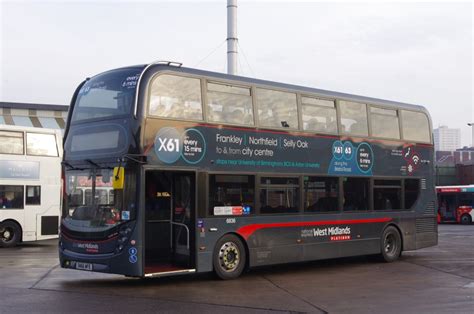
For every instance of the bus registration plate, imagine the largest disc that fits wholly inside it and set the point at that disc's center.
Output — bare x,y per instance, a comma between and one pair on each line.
83,266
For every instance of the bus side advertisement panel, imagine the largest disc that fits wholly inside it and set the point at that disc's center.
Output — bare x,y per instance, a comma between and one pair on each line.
238,149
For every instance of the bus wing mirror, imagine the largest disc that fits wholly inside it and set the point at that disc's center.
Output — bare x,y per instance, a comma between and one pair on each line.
118,179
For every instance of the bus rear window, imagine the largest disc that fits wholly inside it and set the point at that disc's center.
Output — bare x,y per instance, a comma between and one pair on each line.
107,95
415,126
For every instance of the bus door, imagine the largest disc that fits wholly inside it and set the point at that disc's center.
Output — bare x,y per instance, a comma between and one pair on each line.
447,204
169,228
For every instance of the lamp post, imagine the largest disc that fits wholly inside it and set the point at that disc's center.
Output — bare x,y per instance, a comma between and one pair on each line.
471,124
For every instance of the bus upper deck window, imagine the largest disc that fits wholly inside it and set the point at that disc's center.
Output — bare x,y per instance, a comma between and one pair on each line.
231,104
318,115
415,126
174,96
41,144
12,142
277,109
353,118
384,123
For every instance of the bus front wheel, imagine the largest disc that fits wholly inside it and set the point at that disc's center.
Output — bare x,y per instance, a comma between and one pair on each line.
391,243
465,219
9,234
229,257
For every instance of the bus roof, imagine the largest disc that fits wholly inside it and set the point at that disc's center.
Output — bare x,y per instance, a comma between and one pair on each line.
297,88
265,83
6,127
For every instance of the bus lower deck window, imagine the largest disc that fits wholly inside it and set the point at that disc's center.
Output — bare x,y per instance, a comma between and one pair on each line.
412,189
387,194
33,195
231,194
279,195
356,194
11,197
321,194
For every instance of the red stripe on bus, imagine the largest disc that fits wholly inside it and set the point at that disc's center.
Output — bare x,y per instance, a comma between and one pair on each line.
247,231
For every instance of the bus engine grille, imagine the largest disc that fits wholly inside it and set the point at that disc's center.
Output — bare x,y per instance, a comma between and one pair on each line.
424,225
430,209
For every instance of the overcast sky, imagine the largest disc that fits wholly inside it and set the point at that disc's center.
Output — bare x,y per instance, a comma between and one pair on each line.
419,53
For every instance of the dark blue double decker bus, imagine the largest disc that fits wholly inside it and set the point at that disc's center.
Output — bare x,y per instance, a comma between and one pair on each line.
169,170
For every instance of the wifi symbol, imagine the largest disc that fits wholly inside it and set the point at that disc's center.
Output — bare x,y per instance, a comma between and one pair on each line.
416,159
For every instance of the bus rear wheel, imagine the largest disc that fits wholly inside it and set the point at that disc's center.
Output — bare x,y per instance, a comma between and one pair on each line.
391,243
229,257
465,219
9,234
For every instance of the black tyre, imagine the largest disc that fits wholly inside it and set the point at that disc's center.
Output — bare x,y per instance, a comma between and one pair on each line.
229,257
391,243
10,234
465,219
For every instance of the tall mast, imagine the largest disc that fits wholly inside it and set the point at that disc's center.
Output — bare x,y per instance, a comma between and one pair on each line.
232,37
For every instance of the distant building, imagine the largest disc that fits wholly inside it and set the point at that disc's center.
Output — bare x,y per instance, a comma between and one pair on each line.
35,115
455,167
459,156
446,139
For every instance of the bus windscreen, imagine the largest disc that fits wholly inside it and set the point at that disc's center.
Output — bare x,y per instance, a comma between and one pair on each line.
107,95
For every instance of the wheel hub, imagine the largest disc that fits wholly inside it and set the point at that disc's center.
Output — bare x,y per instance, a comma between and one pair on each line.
389,244
6,234
229,257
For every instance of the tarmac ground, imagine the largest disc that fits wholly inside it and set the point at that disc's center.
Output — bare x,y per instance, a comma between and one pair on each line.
433,280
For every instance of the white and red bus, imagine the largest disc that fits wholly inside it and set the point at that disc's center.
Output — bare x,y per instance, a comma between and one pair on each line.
455,203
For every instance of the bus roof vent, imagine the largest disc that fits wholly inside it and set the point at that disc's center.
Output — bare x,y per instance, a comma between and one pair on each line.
168,63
